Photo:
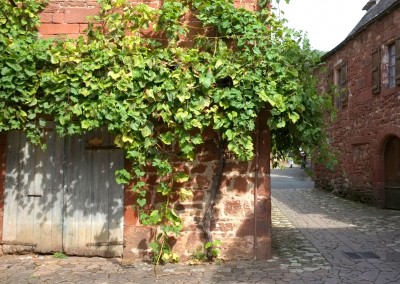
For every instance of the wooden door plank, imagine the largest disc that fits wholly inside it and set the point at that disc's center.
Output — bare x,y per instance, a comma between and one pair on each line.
100,182
57,193
116,199
86,195
69,185
26,201
48,217
71,198
79,205
39,195
11,187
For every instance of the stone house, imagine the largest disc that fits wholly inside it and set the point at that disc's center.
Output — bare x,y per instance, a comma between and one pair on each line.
65,198
365,71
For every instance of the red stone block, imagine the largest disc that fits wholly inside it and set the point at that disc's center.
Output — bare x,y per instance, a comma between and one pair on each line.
53,7
63,36
154,4
263,207
46,17
92,4
207,156
202,182
76,4
57,29
263,186
226,226
194,237
263,228
129,196
181,167
198,195
199,169
58,18
225,181
78,15
234,165
246,228
240,185
130,216
232,207
263,250
136,240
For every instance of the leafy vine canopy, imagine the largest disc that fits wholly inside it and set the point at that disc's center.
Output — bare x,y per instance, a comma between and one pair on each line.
160,93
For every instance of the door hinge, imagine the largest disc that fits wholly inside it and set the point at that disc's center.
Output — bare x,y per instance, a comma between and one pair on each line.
103,244
16,243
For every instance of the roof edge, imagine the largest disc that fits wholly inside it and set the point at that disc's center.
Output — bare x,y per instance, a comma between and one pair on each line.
362,28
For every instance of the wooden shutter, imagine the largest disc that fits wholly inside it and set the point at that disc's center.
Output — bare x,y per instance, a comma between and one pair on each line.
343,84
398,60
376,71
330,84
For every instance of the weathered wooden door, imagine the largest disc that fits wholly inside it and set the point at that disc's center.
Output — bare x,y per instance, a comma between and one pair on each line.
63,198
93,223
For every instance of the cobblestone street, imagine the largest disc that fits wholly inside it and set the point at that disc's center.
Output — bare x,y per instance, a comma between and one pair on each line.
317,238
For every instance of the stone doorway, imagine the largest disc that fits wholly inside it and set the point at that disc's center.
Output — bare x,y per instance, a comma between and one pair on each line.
392,173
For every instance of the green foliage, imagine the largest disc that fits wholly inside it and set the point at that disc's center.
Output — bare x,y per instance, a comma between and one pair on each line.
59,255
22,58
162,252
200,253
158,95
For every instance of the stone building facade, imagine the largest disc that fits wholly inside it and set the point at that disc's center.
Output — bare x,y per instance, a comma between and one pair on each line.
241,220
365,72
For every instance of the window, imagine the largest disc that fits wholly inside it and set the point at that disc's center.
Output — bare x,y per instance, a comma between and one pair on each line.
392,65
386,66
340,81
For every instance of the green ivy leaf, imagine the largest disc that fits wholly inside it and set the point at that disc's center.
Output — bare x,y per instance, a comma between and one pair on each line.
207,79
181,177
141,202
185,194
122,176
167,138
147,130
294,117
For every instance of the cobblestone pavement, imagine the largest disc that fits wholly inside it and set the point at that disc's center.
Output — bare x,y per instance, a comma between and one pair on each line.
317,238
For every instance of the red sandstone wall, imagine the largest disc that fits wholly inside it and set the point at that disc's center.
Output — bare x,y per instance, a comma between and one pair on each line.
233,220
235,215
363,125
